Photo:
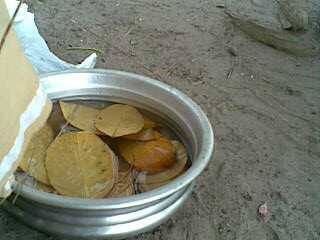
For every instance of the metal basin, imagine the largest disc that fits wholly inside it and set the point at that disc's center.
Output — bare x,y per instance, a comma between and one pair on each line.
120,217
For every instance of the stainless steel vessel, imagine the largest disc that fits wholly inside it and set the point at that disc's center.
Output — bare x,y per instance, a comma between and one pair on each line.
122,217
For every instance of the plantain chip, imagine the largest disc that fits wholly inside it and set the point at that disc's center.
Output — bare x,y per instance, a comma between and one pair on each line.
80,116
170,173
118,120
33,159
144,135
81,165
151,156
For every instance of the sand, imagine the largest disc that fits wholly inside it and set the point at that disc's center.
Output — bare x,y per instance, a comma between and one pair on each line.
264,106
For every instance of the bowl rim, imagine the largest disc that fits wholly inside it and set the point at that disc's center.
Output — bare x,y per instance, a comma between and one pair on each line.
204,156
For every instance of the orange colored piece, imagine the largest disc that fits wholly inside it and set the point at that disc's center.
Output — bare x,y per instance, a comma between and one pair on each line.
151,156
170,173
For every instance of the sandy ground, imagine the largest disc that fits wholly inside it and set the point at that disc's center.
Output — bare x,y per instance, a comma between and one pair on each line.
264,106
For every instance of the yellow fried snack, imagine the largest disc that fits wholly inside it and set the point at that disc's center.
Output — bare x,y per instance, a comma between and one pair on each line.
118,120
124,186
170,173
80,116
81,165
33,160
151,156
144,135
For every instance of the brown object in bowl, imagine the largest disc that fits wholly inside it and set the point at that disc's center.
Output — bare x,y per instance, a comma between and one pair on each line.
33,159
81,165
118,120
176,169
151,156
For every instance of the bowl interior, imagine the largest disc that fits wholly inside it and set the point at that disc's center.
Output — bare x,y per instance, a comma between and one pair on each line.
155,99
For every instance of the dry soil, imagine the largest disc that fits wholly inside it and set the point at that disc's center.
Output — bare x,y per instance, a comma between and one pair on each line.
264,106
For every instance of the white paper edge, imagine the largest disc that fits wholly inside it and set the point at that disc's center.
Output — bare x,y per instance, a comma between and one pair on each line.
31,114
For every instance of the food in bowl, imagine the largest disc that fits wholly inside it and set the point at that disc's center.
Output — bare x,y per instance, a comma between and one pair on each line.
115,151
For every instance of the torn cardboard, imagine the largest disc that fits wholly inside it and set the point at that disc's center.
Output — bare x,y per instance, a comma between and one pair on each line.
24,106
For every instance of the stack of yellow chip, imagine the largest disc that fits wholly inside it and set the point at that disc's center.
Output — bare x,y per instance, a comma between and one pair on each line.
81,165
83,162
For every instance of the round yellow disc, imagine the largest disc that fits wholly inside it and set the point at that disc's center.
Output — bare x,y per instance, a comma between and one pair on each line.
33,159
80,116
118,120
81,165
